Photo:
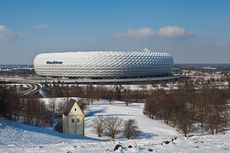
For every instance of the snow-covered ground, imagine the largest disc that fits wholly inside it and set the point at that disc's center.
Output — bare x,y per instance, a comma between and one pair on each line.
155,135
149,128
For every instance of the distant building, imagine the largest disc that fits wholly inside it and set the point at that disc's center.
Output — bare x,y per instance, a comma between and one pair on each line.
72,120
104,65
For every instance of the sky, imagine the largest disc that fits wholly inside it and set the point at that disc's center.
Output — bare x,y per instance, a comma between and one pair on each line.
192,31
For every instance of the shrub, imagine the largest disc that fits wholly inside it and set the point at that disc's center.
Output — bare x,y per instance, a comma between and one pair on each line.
98,124
112,126
130,128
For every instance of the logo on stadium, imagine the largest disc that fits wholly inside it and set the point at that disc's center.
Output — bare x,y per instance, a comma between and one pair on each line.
54,62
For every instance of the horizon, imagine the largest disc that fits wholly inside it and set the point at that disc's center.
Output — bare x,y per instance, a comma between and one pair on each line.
191,31
174,64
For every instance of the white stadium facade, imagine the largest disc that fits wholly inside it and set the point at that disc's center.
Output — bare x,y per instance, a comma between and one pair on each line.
104,65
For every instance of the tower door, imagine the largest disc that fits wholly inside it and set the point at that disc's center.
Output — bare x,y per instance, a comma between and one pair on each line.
72,125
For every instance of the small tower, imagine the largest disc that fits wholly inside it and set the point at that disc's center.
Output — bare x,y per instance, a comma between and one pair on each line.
73,119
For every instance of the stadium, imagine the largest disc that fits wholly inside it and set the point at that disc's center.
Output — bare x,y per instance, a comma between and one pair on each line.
104,65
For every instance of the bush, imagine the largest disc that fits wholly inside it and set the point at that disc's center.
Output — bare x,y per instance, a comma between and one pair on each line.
112,126
130,128
98,124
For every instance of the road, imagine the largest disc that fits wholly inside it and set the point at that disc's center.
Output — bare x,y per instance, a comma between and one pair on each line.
33,88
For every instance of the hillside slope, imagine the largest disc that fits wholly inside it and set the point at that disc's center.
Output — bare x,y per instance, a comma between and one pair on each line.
155,137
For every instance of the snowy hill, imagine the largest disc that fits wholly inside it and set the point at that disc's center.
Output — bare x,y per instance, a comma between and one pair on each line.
149,128
156,136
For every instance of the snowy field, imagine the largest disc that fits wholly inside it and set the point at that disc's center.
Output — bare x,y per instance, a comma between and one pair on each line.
155,136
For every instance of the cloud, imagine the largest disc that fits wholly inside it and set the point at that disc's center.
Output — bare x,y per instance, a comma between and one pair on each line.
222,44
146,50
42,26
164,32
174,32
6,33
138,33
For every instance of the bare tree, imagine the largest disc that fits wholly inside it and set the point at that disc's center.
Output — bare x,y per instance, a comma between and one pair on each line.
130,128
62,105
52,108
57,91
113,126
10,104
126,96
4,94
109,95
98,124
118,89
185,122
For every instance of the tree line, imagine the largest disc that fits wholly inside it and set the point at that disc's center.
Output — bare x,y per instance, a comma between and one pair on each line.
116,92
29,110
189,109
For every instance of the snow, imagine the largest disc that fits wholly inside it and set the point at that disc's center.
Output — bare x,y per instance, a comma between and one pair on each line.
156,136
19,134
148,127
